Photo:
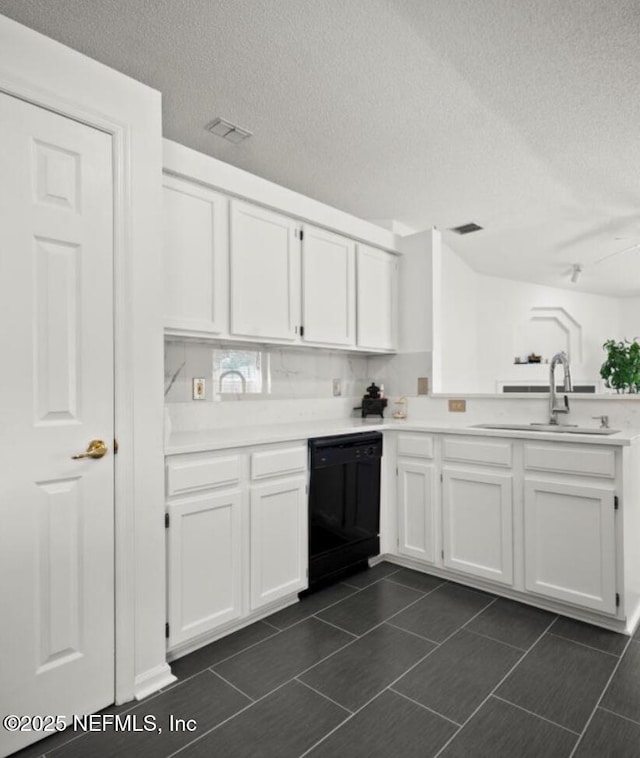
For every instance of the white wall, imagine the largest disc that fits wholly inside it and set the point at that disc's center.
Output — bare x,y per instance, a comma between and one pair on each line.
630,310
462,345
487,321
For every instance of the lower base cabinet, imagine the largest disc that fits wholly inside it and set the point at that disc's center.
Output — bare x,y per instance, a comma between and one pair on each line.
417,499
278,540
548,522
236,537
570,543
477,526
204,564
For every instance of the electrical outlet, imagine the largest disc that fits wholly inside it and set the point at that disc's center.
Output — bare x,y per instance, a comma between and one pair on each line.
199,388
457,406
423,385
337,387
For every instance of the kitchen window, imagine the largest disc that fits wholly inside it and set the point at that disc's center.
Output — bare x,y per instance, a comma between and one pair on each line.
240,372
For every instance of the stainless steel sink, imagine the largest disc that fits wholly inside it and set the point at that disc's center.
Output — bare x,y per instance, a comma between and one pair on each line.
557,428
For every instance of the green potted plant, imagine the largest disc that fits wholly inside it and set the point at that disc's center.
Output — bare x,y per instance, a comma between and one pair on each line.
621,370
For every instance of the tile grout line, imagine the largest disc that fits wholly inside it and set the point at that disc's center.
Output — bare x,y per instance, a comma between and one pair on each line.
537,715
495,639
604,689
267,694
413,634
326,697
589,647
389,686
619,715
364,705
423,706
268,623
231,684
495,688
222,660
409,587
339,628
76,736
320,610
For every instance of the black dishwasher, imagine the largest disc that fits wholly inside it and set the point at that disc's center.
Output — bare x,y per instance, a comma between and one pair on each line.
344,505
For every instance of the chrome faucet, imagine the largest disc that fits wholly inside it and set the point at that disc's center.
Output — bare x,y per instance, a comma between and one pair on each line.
554,407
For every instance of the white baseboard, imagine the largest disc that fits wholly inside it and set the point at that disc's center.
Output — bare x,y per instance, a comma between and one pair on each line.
153,680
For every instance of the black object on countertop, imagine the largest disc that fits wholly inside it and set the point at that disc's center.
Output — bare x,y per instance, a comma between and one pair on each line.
344,505
372,403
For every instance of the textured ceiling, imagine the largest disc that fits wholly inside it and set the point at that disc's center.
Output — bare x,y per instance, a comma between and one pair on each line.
523,116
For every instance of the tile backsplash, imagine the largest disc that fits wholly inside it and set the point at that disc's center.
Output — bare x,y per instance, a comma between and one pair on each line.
276,373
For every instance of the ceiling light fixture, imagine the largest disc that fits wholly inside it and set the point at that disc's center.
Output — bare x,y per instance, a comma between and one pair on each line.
466,228
576,270
231,132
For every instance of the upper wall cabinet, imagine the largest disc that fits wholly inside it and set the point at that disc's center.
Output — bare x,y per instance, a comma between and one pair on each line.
376,298
328,288
265,274
195,258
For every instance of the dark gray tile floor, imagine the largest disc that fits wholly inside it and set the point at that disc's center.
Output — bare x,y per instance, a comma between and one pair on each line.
392,662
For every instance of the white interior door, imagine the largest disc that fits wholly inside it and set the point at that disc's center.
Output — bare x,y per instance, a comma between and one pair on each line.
56,341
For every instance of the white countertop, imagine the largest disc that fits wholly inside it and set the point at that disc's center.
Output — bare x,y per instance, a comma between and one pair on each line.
242,436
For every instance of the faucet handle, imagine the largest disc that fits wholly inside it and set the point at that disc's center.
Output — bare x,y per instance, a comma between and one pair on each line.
604,421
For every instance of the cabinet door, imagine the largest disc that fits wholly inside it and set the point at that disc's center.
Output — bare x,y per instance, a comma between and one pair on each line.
416,509
477,523
196,248
570,543
328,287
376,298
204,564
265,273
278,540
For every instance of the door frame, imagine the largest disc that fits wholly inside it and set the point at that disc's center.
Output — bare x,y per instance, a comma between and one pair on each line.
75,101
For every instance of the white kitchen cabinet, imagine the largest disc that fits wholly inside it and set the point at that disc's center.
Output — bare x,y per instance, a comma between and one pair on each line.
204,572
195,252
569,524
236,538
416,505
264,274
377,277
328,288
477,523
278,516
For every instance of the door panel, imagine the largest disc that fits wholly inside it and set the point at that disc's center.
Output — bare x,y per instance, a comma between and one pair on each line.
570,543
376,298
416,509
278,516
195,234
265,273
328,287
204,551
477,523
56,339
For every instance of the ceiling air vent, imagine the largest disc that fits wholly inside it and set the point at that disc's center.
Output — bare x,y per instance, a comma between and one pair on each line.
466,228
229,131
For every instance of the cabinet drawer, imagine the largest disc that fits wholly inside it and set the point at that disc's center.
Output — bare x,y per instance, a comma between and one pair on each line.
471,450
275,462
581,460
415,445
197,473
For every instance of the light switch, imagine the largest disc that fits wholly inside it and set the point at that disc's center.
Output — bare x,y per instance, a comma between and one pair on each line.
199,388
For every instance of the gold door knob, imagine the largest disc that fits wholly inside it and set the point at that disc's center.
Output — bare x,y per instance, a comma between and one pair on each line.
96,449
